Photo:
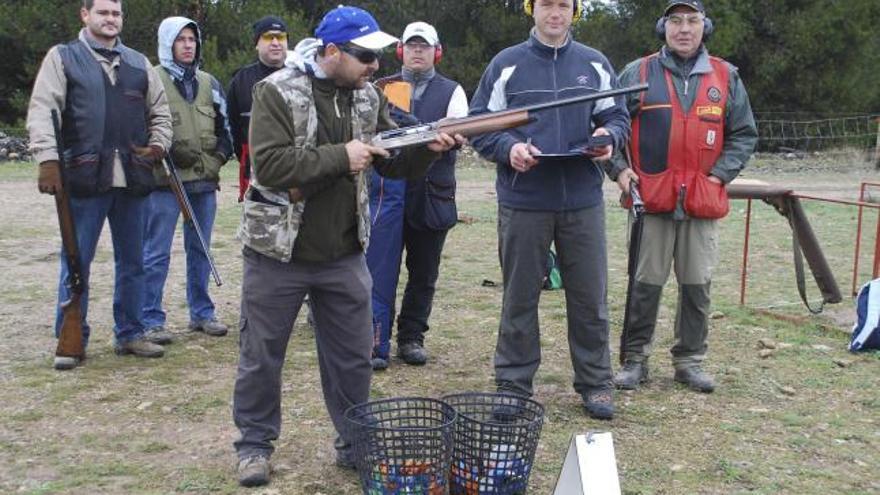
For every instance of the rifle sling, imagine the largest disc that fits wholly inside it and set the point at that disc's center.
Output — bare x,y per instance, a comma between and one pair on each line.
799,261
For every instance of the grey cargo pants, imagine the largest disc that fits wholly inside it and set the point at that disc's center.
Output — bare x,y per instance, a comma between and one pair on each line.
272,293
524,239
692,245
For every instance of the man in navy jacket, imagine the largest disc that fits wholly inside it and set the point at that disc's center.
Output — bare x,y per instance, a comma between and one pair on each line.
552,199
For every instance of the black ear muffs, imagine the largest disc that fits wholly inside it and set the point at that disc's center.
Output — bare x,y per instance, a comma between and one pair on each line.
660,28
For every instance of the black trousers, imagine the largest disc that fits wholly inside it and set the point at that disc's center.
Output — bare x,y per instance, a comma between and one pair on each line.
423,249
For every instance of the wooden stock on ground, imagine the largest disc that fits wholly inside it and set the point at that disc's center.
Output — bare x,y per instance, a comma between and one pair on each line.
70,338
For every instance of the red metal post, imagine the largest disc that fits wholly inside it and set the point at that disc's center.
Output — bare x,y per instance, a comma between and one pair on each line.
745,263
855,276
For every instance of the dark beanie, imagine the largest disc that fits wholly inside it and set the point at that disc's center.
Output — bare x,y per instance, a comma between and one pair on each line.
268,23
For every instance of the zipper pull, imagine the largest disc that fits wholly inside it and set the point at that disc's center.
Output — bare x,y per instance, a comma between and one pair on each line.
336,104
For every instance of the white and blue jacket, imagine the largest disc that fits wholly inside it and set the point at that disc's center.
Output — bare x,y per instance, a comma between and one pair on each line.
532,72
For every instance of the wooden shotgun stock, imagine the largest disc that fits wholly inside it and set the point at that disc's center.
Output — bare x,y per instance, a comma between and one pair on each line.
70,337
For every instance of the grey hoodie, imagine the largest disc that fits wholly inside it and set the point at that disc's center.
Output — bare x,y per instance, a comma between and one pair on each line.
169,29
187,84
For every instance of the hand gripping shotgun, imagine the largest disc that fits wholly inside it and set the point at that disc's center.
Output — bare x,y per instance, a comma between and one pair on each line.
486,122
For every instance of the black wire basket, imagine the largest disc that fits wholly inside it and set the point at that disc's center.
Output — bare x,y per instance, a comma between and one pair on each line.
495,440
402,445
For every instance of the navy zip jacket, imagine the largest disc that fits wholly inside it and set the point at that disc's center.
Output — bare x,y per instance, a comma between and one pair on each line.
532,72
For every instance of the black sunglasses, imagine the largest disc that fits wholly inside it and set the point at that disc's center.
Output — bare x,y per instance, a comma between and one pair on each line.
362,55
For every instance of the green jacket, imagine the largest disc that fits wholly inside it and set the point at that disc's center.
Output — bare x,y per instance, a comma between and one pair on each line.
299,127
740,130
194,145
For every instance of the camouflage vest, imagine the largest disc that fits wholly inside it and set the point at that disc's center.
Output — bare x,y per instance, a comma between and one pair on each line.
270,226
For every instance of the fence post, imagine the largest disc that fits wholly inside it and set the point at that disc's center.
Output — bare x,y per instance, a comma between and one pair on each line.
877,147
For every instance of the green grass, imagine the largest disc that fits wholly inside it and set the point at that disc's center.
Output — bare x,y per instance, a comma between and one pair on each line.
125,425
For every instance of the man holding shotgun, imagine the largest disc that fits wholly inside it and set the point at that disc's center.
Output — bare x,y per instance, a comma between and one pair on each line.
305,226
555,198
693,131
202,144
116,126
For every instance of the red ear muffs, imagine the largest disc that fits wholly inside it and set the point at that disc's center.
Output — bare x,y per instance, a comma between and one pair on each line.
438,52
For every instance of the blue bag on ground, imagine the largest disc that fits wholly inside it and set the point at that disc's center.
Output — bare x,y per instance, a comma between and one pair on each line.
866,331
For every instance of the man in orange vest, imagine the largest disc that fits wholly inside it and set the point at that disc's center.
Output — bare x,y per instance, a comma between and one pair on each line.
692,132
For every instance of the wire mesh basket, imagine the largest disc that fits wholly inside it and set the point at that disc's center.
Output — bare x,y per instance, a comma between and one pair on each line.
402,445
494,445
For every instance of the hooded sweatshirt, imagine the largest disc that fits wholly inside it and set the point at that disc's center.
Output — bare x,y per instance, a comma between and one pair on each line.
186,83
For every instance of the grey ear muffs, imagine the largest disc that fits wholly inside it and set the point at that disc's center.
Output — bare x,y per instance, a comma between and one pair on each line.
660,28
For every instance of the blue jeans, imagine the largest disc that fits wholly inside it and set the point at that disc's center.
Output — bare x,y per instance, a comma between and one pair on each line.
126,215
161,222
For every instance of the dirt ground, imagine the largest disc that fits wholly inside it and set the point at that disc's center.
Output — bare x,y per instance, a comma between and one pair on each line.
126,425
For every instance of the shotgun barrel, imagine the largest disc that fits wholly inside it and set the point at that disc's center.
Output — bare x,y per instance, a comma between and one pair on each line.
487,122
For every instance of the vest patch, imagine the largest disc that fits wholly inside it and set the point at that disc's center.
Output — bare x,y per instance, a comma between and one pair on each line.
709,110
710,137
714,94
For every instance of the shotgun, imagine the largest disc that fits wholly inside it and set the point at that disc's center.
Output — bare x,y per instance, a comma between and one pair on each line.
186,209
70,336
487,122
632,264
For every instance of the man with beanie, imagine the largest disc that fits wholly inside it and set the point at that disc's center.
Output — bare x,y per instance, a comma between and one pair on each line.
553,200
116,127
270,38
305,226
415,214
693,132
201,145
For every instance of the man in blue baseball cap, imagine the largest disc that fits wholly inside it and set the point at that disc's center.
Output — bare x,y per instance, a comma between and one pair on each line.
305,226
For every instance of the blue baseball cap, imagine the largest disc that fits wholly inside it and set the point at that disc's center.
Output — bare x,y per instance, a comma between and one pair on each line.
352,25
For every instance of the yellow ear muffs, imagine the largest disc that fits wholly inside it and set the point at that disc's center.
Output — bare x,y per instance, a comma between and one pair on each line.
527,8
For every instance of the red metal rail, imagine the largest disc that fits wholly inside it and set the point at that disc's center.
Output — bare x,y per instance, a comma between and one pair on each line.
861,204
874,274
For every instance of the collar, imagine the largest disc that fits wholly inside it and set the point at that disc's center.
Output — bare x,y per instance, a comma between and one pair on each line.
181,72
108,53
269,68
545,49
327,87
701,64
419,77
